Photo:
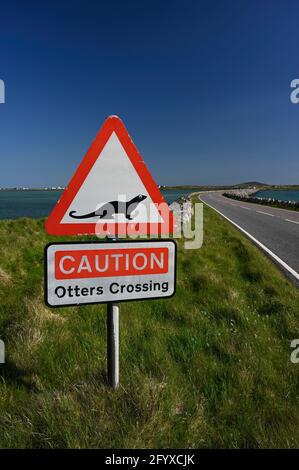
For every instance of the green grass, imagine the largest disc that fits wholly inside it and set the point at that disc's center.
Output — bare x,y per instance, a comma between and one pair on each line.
208,368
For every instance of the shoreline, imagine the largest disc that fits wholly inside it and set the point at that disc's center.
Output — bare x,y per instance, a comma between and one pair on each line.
34,209
247,196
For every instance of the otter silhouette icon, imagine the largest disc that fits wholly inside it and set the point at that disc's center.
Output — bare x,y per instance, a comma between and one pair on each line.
109,209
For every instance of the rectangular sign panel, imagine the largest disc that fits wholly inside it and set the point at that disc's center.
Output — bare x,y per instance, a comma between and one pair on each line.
79,273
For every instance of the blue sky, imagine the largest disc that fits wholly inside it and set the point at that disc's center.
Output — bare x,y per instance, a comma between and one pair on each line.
202,86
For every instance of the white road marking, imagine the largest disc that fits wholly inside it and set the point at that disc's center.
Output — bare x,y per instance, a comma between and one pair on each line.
293,221
247,208
263,247
266,213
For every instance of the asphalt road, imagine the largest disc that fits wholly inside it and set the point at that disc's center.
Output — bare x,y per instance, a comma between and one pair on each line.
276,229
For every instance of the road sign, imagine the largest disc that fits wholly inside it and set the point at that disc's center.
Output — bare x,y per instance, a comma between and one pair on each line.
112,191
97,272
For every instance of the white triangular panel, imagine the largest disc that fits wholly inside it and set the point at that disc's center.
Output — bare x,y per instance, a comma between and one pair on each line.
112,178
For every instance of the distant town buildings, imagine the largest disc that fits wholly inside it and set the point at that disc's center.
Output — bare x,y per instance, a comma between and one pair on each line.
25,188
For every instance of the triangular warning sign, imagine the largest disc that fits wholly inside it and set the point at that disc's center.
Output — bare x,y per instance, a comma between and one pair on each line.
112,191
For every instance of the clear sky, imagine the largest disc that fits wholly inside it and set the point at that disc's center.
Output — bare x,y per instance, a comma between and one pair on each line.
202,86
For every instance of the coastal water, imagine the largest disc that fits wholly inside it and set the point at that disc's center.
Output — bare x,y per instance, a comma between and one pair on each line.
281,194
36,203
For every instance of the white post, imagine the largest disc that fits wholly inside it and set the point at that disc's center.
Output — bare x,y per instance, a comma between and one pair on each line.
113,344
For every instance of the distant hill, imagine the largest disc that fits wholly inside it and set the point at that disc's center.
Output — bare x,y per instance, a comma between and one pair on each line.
249,184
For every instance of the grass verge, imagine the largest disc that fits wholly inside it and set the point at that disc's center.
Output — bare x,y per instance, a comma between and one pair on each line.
208,368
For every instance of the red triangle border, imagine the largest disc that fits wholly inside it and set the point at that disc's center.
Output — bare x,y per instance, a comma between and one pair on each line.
53,225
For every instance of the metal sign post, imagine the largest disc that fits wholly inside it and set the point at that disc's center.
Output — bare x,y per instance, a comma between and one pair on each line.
113,340
113,344
100,200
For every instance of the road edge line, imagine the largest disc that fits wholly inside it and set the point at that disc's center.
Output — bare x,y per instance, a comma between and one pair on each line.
258,243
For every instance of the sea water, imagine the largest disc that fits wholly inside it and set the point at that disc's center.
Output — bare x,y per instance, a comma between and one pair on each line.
39,203
281,194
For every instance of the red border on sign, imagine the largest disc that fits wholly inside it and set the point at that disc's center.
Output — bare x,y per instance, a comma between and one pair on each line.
53,224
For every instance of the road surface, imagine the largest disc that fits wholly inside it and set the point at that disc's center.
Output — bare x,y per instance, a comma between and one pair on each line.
276,231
